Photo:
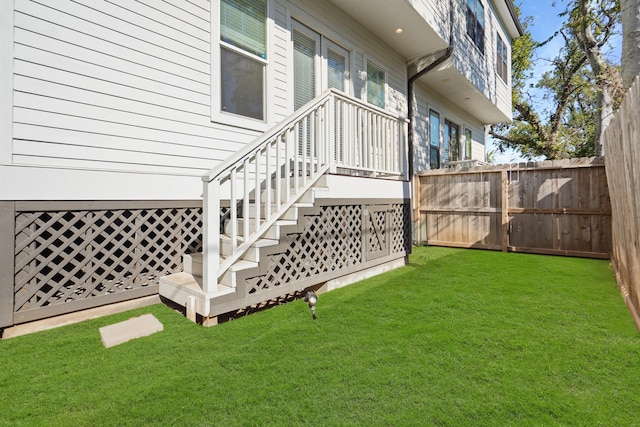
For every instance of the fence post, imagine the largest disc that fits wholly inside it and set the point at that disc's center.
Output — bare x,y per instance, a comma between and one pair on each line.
7,257
504,209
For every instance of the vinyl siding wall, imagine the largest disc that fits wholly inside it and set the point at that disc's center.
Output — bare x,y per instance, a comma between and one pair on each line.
119,93
503,89
480,68
428,100
435,13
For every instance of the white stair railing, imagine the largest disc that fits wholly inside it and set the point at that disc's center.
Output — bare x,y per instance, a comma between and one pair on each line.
271,174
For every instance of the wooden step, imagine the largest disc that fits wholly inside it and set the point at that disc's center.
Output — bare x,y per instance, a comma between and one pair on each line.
193,266
252,254
229,277
272,233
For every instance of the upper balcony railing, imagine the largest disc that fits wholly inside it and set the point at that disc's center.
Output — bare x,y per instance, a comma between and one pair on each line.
332,133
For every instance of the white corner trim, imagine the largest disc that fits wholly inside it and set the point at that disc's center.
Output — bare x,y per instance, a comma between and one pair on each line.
6,81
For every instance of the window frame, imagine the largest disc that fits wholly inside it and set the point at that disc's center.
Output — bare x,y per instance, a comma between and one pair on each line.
453,144
384,85
217,44
468,144
502,59
435,148
474,24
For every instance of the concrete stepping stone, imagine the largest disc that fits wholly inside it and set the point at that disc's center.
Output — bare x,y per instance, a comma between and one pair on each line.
136,327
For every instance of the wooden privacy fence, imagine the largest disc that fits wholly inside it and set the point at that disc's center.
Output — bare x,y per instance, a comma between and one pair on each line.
550,207
622,151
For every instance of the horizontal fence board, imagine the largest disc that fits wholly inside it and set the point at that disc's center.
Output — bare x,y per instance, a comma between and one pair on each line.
580,254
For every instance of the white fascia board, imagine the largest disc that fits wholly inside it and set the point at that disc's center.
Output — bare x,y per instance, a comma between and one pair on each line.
38,183
348,187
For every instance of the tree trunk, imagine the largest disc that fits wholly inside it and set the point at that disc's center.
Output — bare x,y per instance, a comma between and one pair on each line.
630,41
601,70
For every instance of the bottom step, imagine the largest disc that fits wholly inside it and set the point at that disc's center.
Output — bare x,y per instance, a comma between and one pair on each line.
186,289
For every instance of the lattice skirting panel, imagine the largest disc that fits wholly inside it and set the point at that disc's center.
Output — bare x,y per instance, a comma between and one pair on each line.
330,241
74,255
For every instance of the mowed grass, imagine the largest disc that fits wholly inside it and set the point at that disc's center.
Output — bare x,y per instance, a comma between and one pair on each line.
457,338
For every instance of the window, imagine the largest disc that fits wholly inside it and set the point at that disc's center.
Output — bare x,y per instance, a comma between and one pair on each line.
475,23
502,59
376,79
336,69
434,139
305,51
451,150
243,55
468,140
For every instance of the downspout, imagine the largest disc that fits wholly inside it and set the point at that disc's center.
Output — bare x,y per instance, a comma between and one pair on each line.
446,54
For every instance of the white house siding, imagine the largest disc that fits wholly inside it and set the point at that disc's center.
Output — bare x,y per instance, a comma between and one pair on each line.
480,68
120,94
435,13
105,86
503,89
428,100
6,80
332,23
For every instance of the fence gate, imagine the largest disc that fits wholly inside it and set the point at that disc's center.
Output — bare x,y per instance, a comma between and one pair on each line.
551,207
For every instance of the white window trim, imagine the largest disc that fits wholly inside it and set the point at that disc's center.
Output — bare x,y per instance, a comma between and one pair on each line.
440,114
235,120
298,20
507,48
296,14
466,128
365,96
297,25
444,134
327,45
482,51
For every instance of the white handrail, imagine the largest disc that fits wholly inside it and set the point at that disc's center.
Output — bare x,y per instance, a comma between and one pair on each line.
269,175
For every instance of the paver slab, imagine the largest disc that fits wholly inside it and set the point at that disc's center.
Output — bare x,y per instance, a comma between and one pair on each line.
136,327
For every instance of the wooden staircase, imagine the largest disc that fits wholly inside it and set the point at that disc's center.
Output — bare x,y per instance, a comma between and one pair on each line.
266,184
186,287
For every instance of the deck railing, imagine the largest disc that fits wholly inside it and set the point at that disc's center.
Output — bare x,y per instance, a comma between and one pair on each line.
332,133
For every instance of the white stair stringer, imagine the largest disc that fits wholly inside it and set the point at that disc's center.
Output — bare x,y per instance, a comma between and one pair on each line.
186,288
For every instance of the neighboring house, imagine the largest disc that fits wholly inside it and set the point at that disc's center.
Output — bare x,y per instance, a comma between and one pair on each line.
312,114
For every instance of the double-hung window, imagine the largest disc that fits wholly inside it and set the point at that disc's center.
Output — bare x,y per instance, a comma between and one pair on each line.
502,59
243,58
475,23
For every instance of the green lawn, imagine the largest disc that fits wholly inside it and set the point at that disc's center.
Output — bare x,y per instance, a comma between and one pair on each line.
458,338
